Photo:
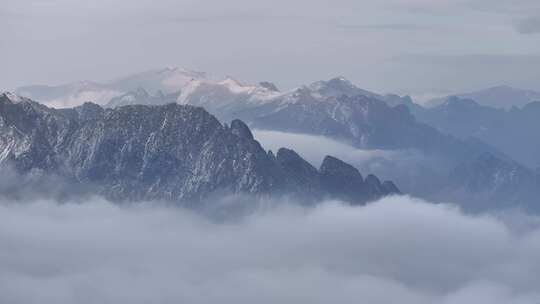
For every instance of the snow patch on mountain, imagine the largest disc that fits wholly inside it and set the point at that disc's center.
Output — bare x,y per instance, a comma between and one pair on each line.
177,79
196,88
100,97
12,97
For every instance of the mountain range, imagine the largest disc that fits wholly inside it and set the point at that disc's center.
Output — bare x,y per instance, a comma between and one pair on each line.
501,97
510,131
455,134
495,183
172,152
335,108
167,80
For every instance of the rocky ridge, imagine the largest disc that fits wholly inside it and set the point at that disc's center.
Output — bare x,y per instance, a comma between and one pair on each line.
171,152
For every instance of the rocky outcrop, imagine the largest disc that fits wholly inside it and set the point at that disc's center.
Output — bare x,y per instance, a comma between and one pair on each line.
269,85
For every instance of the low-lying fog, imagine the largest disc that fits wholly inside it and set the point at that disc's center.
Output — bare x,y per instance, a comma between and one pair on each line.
397,250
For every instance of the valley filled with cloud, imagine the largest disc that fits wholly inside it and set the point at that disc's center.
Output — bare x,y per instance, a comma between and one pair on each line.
398,249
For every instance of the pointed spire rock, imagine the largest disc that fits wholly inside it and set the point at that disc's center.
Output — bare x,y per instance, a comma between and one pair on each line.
240,129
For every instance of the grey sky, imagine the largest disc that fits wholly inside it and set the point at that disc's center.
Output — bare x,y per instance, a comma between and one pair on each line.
404,46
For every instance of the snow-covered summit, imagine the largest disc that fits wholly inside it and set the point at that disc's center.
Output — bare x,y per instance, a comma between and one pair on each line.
228,92
190,87
337,87
13,98
167,80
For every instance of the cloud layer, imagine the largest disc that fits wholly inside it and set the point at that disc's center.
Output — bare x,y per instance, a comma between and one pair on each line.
314,148
396,250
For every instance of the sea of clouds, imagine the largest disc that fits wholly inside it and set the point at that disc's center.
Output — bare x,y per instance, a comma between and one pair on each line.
396,250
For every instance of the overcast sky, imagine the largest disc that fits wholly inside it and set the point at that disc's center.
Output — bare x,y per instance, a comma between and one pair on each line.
403,46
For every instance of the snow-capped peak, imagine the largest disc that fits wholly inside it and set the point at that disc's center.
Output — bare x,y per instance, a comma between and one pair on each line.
12,97
188,90
235,86
227,90
178,78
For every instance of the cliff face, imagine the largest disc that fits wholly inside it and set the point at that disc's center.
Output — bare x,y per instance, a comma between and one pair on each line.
171,152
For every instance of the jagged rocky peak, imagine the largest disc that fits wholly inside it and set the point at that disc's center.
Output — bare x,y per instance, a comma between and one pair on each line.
374,181
285,155
89,110
10,97
390,188
300,173
386,187
342,180
240,129
338,171
345,182
18,104
291,161
269,85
